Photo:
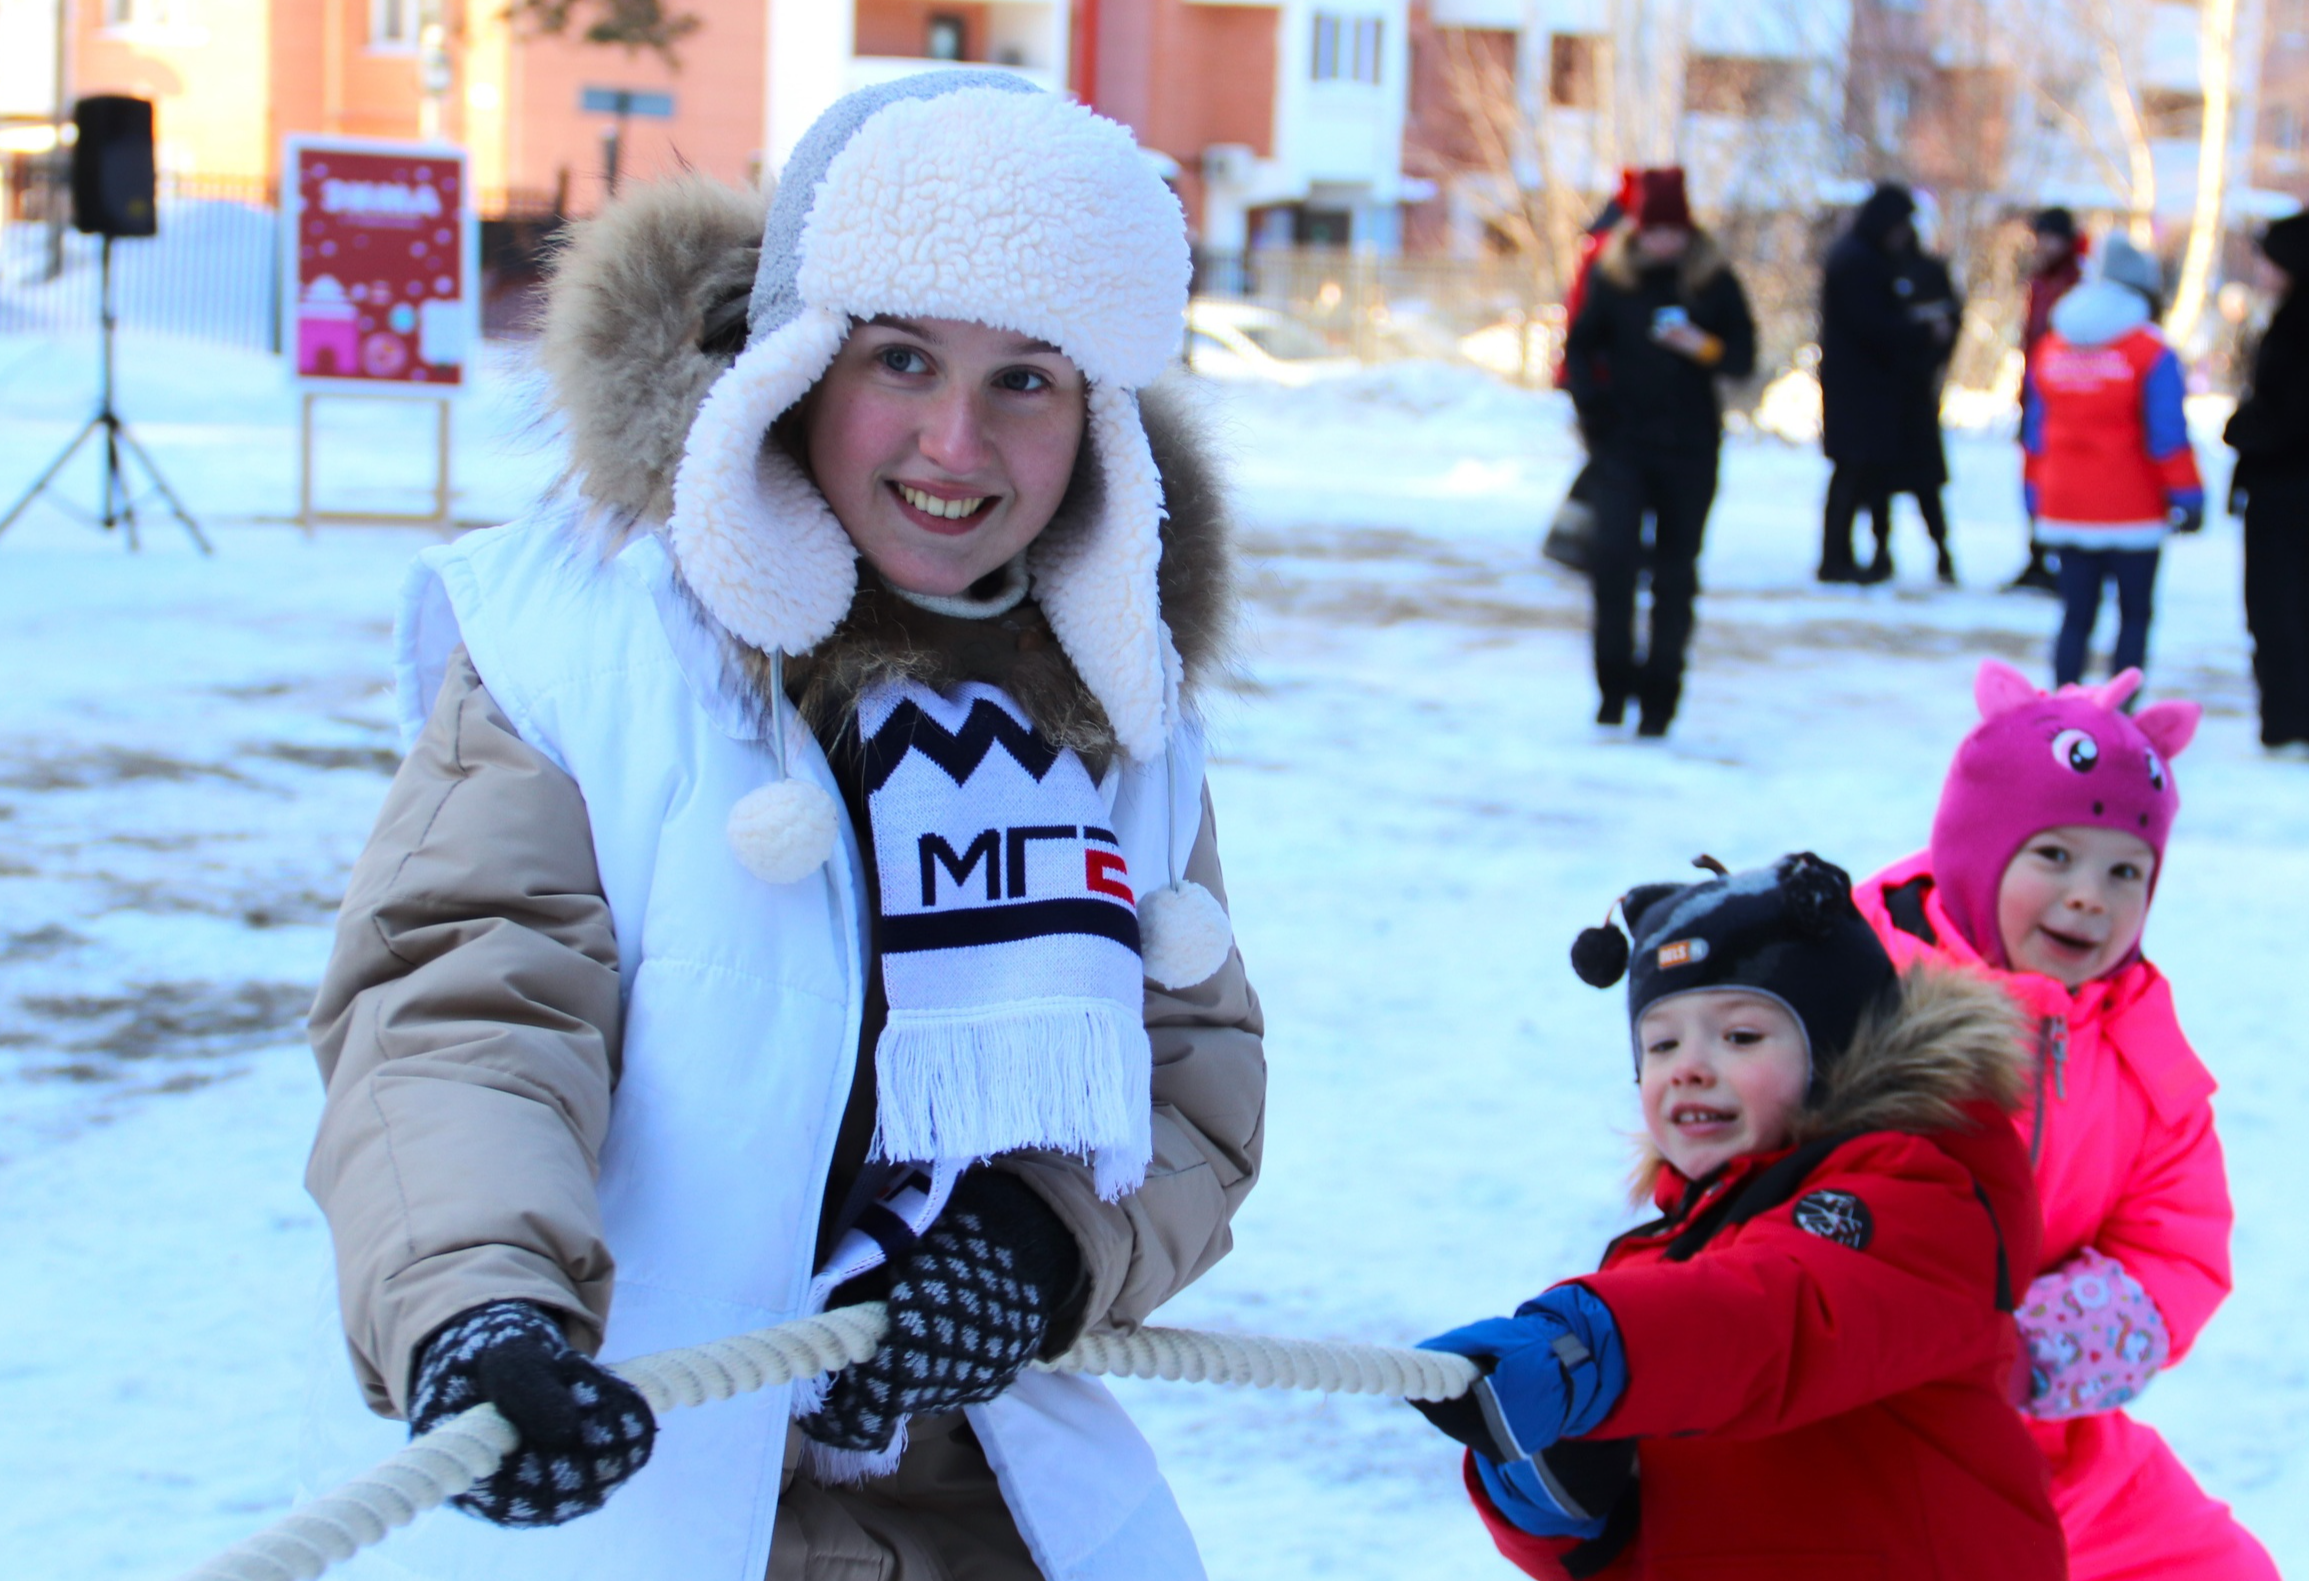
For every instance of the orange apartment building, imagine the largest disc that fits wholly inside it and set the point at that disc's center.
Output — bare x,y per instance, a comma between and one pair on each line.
1288,115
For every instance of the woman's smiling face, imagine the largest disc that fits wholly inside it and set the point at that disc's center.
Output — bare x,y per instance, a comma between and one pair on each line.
944,447
1722,1072
2072,901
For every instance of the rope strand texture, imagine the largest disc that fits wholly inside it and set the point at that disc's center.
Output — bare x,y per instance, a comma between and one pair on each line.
433,1469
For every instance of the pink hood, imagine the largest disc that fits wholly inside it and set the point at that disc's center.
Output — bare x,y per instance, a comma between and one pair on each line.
2128,1161
2040,761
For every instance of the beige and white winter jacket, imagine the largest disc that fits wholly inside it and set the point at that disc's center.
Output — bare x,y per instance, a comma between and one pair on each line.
468,1026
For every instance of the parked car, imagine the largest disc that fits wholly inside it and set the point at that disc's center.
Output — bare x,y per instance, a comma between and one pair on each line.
1242,340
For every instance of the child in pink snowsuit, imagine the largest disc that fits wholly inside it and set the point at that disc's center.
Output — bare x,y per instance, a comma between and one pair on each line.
2044,856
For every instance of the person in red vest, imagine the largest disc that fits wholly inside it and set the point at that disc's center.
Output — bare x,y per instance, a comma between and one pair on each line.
1804,1367
2055,265
2109,469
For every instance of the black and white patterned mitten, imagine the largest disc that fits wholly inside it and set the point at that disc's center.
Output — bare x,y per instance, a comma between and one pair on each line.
584,1430
971,1303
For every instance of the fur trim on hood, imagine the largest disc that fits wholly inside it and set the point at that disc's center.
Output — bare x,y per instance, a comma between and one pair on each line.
1952,1038
1702,261
645,311
633,303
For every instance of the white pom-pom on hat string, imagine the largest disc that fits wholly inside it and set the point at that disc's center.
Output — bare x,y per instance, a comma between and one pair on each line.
785,830
1183,934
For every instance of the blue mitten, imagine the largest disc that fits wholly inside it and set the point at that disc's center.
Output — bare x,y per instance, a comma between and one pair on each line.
1518,1491
1554,1370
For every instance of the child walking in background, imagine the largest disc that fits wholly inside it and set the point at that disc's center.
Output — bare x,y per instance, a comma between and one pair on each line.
2109,470
1806,1361
2045,852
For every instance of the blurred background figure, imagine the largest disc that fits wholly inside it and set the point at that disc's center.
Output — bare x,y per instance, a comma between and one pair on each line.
2270,489
1880,368
1921,469
2109,469
1571,536
2055,265
1663,319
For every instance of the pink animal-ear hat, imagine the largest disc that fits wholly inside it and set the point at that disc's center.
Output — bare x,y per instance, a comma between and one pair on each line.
2044,760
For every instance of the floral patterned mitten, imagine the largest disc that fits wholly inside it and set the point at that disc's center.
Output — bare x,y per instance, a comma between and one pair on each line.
2094,1337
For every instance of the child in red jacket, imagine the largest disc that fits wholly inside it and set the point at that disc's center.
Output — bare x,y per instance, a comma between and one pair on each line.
1803,1368
2045,853
2108,467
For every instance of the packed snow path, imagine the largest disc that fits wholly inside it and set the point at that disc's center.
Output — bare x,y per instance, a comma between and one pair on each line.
1416,817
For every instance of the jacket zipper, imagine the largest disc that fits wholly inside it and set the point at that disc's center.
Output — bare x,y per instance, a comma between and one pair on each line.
2052,1060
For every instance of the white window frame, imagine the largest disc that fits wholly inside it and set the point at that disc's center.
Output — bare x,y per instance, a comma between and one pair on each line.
1369,36
385,39
1323,64
1348,48
160,22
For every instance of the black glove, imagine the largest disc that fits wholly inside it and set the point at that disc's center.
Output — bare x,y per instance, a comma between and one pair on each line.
584,1430
2188,518
980,1295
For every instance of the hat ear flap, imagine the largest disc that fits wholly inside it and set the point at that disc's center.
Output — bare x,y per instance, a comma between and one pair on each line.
2170,726
1818,893
1999,689
2118,690
1643,898
1097,583
755,539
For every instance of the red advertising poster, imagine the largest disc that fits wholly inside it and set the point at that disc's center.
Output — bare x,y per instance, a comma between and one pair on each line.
380,268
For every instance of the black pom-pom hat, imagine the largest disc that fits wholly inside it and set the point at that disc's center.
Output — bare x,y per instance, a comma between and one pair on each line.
1789,932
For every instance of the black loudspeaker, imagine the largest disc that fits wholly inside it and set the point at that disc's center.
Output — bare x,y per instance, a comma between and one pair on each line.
112,167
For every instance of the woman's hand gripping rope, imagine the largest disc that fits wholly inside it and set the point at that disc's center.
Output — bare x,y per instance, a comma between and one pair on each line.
468,1448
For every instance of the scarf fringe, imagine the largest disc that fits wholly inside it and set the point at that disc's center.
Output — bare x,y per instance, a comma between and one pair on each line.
829,1467
1071,1075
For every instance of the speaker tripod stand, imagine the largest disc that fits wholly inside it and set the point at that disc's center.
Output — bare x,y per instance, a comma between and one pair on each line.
119,494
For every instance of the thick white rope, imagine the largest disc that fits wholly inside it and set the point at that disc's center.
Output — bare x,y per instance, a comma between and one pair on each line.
460,1452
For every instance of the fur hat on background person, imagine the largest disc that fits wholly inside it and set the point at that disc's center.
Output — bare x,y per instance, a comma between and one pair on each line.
1884,210
2124,264
965,195
2286,244
1660,198
2054,221
2039,761
1789,932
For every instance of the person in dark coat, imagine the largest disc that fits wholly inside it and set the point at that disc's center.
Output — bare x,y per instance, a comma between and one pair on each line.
1935,302
1664,318
1572,533
2270,433
1877,370
2054,267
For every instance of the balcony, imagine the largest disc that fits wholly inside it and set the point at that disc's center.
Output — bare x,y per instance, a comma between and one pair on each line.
867,71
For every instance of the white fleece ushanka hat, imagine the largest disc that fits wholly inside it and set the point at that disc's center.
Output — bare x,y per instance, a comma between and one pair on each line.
964,195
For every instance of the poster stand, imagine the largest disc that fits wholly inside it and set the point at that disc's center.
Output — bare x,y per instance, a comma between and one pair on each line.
380,253
308,518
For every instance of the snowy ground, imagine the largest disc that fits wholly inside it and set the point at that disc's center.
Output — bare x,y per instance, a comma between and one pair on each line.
1416,818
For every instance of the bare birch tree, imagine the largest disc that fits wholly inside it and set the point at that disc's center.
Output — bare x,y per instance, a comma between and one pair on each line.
2216,66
